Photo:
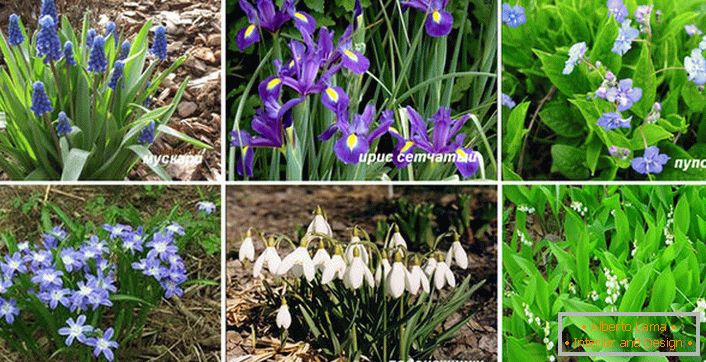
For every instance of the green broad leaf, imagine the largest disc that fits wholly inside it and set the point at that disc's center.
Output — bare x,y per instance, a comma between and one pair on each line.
648,134
73,164
148,158
634,297
520,350
562,119
664,291
569,161
644,77
574,23
694,99
569,85
514,131
682,215
174,133
315,5
593,152
603,45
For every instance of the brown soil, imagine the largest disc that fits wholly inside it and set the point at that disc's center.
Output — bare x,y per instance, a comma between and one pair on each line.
284,209
179,330
193,28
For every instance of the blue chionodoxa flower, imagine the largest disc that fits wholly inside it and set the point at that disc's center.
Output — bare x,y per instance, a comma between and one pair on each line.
40,101
695,66
356,136
507,101
63,126
624,95
617,9
626,36
513,16
14,34
69,53
439,22
267,17
8,310
159,46
206,207
103,344
48,43
146,136
651,162
613,120
97,63
576,54
76,329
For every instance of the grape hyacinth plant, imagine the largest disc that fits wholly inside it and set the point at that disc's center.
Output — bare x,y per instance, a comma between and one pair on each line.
88,295
332,98
96,83
360,298
615,92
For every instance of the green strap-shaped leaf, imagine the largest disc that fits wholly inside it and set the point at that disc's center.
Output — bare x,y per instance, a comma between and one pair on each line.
73,164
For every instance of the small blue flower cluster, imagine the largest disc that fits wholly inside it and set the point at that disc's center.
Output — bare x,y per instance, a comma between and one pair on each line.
82,278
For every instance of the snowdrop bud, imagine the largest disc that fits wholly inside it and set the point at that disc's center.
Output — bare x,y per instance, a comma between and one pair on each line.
396,278
319,225
334,267
247,248
357,272
397,239
383,268
321,257
284,319
268,259
457,254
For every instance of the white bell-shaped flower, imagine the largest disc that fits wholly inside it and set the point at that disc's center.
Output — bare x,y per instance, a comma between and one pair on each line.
416,279
383,269
356,245
247,248
335,268
457,254
429,267
443,275
321,258
268,259
298,263
284,319
396,278
319,225
396,240
357,273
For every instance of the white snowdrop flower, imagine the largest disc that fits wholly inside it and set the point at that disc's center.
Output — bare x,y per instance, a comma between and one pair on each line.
357,272
396,240
321,258
268,259
356,244
457,254
429,267
298,263
526,209
335,268
416,279
443,275
247,248
284,319
396,278
319,225
383,269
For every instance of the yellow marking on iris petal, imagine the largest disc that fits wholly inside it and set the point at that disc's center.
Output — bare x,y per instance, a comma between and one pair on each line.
331,93
436,16
245,149
250,30
351,55
273,83
394,130
351,141
301,17
463,156
406,146
291,63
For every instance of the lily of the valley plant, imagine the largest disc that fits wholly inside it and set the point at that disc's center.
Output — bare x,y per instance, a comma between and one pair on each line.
77,103
360,299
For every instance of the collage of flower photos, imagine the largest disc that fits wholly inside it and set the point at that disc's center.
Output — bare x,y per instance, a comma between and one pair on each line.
353,180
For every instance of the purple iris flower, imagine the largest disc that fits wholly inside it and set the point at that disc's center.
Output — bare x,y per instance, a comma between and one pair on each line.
102,345
75,330
356,136
244,159
651,162
264,16
270,121
351,58
335,99
613,120
467,161
307,63
9,310
624,95
617,9
439,21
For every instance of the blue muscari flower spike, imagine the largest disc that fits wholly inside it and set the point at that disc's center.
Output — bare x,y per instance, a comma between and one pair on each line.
90,37
48,43
63,126
117,73
96,60
14,34
110,29
159,48
147,135
69,53
40,101
49,9
124,50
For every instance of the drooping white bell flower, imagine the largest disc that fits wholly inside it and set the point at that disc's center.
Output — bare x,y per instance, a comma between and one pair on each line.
268,259
319,225
298,263
247,248
457,254
356,244
321,258
443,275
429,267
335,268
383,269
284,319
416,279
396,278
357,272
396,240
